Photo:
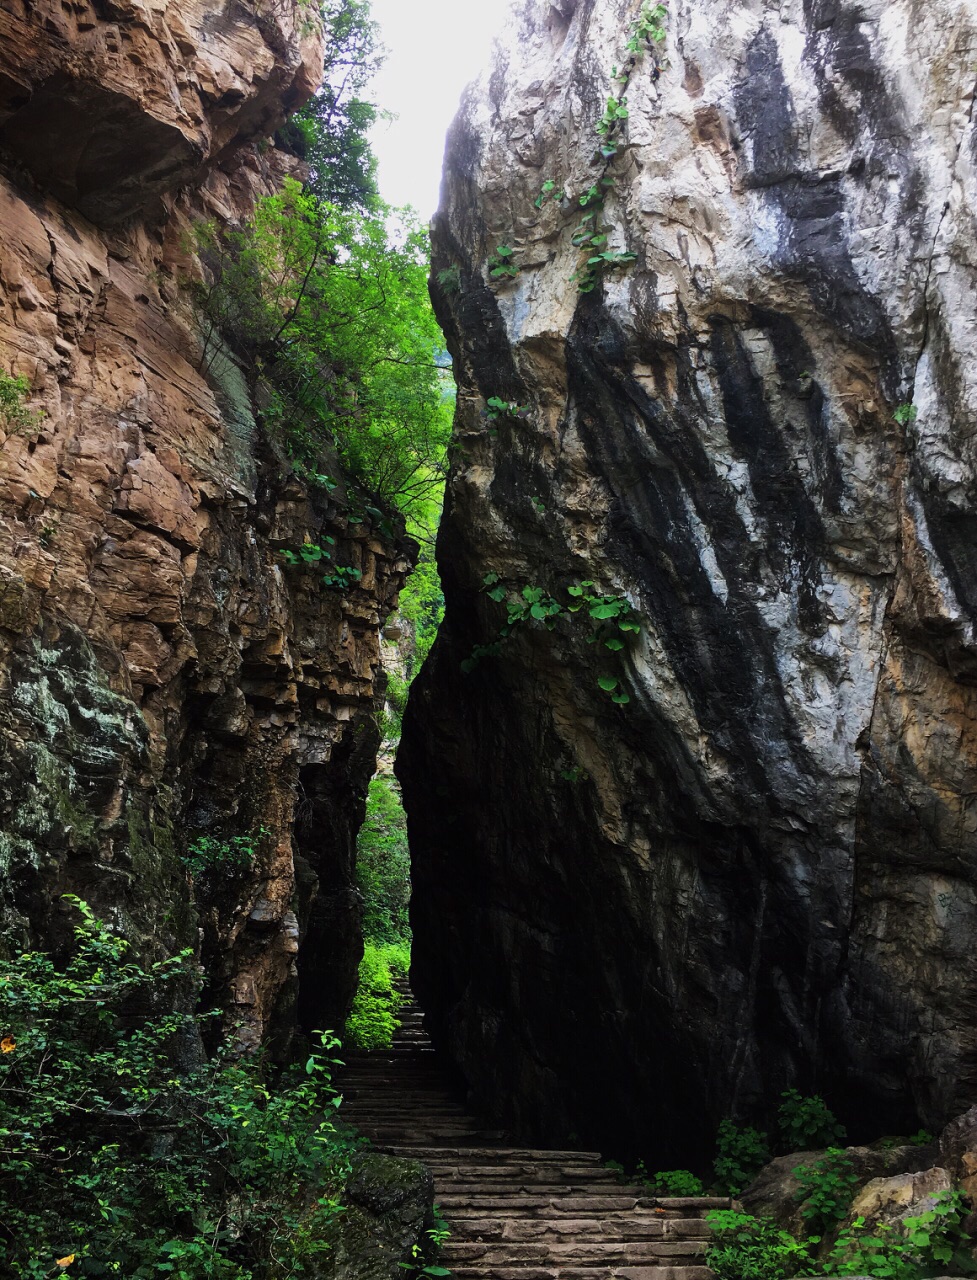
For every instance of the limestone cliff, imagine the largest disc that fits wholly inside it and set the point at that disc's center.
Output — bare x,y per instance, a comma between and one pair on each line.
634,917
164,677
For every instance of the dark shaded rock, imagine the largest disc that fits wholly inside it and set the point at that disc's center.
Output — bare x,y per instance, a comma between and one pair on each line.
632,920
389,1203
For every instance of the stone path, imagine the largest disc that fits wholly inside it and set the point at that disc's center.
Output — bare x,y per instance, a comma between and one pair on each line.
517,1213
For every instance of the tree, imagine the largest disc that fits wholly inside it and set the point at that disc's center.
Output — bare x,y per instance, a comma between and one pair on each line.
330,131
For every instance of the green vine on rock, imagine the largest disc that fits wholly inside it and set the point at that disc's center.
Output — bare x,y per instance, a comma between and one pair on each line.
613,619
339,577
592,237
496,407
15,417
501,265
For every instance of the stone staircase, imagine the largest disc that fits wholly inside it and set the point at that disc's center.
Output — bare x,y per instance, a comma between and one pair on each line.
516,1213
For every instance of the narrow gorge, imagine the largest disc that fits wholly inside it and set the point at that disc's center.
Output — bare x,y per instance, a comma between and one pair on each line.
650,553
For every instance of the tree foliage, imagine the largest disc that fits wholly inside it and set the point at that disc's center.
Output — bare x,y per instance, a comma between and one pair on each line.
383,865
331,307
331,131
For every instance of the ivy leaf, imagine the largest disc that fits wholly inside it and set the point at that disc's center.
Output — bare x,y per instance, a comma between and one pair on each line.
490,579
622,699
614,645
608,683
539,612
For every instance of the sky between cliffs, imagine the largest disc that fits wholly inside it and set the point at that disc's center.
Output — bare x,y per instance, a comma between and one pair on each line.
434,48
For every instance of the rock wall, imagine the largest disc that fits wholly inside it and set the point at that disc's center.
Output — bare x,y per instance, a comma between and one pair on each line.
163,676
633,919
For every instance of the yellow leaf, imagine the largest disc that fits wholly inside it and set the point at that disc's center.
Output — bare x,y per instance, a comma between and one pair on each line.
8,1044
66,1262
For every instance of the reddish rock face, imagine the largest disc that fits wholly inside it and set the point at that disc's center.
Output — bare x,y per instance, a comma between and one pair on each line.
163,674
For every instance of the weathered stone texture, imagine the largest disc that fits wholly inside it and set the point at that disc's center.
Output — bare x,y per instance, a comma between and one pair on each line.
163,675
766,873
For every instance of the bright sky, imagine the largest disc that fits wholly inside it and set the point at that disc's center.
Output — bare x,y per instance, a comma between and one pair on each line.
434,49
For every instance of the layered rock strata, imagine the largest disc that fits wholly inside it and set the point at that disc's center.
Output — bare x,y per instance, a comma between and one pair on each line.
634,918
165,677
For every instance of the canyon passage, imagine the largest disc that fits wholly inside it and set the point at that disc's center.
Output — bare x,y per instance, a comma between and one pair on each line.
487,711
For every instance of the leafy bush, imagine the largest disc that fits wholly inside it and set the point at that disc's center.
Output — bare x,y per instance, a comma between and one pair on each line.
232,857
373,1018
928,1244
827,1188
124,1152
741,1154
15,417
748,1248
673,1182
383,867
806,1123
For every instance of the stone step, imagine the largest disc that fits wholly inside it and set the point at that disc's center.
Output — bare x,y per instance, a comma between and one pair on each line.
662,1272
500,1189
540,1202
636,1225
462,1214
424,1109
516,1154
569,1252
541,1171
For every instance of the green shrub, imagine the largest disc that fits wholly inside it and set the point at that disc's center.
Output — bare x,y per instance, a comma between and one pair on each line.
807,1123
928,1244
231,857
672,1182
15,417
827,1188
741,1154
373,1018
748,1248
123,1149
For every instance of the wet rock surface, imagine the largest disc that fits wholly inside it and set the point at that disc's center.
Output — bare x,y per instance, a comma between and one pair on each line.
388,1205
759,872
165,676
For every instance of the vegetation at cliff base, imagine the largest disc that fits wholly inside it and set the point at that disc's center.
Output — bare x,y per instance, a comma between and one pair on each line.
383,878
125,1152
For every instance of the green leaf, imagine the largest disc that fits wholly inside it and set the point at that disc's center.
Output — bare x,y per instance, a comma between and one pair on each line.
490,579
614,645
622,699
608,683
